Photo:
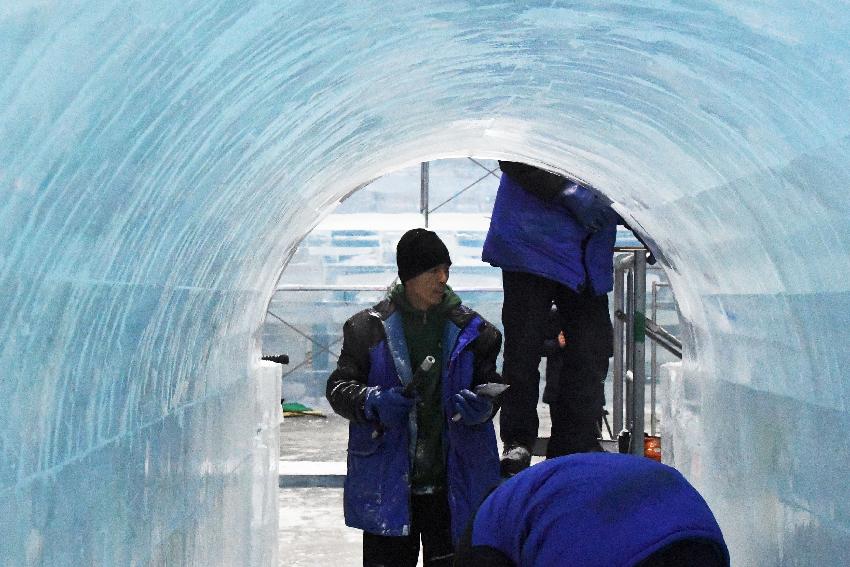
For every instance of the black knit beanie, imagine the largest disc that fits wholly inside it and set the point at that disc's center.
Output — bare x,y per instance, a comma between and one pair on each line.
418,251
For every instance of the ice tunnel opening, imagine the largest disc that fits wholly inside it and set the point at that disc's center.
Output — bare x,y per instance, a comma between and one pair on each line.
160,159
365,242
163,157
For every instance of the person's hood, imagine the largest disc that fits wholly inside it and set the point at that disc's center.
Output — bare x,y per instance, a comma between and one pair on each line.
593,509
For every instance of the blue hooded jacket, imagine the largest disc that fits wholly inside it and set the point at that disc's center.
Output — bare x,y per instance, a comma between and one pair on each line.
528,234
593,509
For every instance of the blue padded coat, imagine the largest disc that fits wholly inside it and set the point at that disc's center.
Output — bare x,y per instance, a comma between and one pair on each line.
528,234
374,354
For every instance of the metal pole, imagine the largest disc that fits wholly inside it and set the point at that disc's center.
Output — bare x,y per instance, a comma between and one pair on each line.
653,363
424,190
629,360
622,326
622,266
639,353
630,321
618,351
624,261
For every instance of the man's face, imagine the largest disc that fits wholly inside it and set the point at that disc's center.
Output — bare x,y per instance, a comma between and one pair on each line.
426,290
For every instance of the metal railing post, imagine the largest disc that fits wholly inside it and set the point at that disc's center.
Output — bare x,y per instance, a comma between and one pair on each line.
622,264
630,322
639,353
630,361
653,363
617,402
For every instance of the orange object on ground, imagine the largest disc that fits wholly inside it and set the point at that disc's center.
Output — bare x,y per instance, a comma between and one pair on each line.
652,447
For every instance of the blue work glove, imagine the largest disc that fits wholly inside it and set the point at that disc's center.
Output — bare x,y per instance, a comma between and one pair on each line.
586,206
473,409
388,406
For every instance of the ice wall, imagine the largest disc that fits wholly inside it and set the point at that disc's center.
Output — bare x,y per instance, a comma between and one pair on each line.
158,159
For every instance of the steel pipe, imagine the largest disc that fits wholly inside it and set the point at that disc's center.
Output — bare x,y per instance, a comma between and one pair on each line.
639,352
617,402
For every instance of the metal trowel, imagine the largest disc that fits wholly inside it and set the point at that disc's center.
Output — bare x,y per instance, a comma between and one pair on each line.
489,390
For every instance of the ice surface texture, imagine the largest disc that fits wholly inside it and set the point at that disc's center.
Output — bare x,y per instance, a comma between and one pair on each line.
158,161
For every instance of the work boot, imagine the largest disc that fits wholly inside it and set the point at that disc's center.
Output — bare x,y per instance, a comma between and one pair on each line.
515,458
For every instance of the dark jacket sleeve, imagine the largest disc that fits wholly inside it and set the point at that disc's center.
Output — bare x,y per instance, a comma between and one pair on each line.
486,349
539,182
346,388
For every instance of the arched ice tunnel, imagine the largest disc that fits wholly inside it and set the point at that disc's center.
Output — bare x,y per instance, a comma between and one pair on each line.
159,160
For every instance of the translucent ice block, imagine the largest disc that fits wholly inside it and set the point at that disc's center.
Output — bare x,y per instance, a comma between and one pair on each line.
160,159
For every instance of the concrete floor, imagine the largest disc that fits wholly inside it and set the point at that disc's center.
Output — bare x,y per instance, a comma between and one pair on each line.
312,530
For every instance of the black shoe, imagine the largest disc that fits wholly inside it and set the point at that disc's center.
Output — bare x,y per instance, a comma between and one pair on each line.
515,458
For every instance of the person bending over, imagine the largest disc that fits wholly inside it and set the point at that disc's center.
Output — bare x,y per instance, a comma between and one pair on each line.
594,510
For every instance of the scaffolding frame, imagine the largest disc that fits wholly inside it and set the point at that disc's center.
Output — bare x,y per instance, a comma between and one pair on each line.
631,329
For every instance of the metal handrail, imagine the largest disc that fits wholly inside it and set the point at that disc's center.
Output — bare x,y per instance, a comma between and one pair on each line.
664,338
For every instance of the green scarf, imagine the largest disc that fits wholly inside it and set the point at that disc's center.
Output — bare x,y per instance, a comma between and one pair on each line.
423,332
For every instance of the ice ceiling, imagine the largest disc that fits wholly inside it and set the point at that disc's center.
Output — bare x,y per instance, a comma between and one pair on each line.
159,159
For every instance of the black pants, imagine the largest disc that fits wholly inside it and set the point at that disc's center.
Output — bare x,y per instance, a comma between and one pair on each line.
431,523
587,327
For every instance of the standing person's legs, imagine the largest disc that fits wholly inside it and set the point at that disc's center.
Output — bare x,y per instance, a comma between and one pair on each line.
524,313
432,518
390,551
578,407
553,378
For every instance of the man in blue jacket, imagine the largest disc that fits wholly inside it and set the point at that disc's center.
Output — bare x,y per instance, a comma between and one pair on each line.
554,241
595,510
420,463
